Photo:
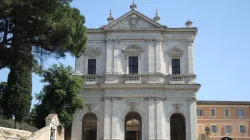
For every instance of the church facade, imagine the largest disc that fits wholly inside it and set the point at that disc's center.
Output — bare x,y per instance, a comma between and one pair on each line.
139,81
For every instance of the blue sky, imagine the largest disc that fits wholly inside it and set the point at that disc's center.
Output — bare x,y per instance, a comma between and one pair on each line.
222,45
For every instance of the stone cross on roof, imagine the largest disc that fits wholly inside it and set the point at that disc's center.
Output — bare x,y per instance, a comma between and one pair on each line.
133,6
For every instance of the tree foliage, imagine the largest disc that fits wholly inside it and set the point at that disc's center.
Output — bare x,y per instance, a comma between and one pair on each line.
31,31
3,86
49,27
17,96
60,95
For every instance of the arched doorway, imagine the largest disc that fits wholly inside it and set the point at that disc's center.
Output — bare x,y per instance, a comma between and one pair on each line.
133,126
177,127
226,138
89,127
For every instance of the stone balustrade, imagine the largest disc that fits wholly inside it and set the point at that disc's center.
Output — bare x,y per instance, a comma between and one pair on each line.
141,78
180,79
93,79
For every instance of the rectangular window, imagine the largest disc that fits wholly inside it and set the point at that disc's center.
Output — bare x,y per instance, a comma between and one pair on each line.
214,129
226,112
240,113
212,112
199,112
176,69
200,129
228,129
242,129
133,64
91,66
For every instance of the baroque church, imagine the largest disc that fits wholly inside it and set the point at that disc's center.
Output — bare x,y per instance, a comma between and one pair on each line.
139,81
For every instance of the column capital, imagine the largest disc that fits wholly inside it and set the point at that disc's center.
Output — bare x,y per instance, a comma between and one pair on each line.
190,41
192,99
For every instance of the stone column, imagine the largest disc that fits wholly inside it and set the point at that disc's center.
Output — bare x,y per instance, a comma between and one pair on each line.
122,130
151,119
145,122
115,121
143,133
160,118
98,136
193,118
190,43
110,54
76,130
107,118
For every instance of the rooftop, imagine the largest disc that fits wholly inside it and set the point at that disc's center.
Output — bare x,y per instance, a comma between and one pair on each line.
207,102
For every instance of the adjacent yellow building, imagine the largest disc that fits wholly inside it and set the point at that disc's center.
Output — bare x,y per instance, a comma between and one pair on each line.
224,118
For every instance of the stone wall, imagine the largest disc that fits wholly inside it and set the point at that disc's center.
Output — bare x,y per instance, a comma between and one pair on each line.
42,134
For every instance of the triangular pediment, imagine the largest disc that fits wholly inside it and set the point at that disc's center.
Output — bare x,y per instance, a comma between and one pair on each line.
133,48
175,53
133,20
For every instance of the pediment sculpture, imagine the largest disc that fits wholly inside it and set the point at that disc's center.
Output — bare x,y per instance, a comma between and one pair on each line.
132,103
133,20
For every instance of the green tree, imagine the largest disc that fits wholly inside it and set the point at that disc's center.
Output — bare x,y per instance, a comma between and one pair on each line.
60,95
33,30
3,86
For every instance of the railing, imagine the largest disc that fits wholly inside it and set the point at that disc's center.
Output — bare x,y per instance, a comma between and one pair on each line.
177,80
132,79
180,79
139,78
93,79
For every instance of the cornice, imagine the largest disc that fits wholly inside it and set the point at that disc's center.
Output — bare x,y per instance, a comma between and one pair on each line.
193,29
194,87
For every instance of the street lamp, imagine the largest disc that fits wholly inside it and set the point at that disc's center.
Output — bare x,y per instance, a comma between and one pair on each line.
207,130
52,132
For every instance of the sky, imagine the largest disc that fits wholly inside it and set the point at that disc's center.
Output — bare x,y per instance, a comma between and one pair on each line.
222,45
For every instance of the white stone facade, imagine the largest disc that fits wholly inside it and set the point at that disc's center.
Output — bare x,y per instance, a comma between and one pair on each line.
154,93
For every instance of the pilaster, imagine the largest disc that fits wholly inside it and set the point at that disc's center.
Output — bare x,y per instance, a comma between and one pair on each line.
151,119
190,43
117,56
76,131
160,118
193,118
107,118
151,57
115,121
158,55
109,57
